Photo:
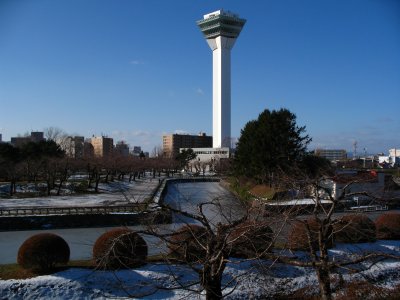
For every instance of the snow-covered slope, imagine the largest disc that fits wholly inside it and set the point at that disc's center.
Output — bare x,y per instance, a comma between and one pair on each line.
248,279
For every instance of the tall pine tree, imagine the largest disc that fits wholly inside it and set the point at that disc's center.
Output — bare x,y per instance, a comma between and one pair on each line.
272,142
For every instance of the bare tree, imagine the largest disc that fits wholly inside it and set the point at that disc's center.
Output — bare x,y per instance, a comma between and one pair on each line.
322,226
57,135
157,151
207,246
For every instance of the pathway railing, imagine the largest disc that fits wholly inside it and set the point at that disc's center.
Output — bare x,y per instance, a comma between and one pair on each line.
71,210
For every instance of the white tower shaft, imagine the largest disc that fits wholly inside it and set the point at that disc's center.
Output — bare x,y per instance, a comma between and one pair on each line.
221,47
221,30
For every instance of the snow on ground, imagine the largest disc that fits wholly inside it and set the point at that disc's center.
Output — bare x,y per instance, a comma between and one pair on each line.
153,281
257,279
112,193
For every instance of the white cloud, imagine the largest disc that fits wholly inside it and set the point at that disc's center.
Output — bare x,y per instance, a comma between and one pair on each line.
136,62
200,91
180,131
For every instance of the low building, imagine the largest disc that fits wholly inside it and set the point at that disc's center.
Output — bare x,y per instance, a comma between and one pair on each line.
389,160
209,154
173,142
349,182
207,159
331,154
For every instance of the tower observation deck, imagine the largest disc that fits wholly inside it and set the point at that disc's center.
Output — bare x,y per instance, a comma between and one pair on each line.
221,29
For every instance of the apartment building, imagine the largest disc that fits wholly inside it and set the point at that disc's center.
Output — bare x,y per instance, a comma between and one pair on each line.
173,142
74,146
102,146
122,148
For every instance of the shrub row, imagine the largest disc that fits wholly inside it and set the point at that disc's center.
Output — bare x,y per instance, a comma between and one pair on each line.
123,248
116,249
353,228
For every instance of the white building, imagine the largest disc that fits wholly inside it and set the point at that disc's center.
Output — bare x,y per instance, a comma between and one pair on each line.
393,158
221,29
207,158
354,182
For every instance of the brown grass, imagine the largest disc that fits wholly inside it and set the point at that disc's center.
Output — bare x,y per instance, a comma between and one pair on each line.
299,236
365,290
388,226
355,228
14,271
263,191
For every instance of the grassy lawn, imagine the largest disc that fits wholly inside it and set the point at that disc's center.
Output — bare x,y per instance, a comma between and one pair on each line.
14,271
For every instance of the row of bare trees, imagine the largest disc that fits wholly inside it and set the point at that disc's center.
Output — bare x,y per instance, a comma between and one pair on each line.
54,171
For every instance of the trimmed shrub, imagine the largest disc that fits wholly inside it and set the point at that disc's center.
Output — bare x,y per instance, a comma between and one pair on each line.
42,252
355,228
388,226
364,290
299,238
250,239
187,243
119,248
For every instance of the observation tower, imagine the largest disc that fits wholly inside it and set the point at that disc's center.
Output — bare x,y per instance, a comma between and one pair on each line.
221,29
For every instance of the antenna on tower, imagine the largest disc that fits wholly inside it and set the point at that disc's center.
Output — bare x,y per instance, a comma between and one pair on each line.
354,149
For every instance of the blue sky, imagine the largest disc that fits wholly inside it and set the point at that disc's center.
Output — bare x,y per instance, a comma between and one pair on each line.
134,70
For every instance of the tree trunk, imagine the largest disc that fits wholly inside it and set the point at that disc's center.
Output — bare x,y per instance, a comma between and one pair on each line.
12,187
49,186
106,179
212,285
323,268
96,188
59,187
324,282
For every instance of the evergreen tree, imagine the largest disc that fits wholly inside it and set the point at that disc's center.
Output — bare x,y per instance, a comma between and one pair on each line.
185,156
269,144
38,150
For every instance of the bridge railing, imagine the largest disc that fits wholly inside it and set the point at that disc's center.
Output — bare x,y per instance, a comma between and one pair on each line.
71,210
